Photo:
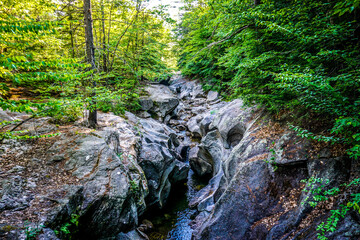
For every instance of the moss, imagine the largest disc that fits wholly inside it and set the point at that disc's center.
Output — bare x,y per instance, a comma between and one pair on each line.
8,228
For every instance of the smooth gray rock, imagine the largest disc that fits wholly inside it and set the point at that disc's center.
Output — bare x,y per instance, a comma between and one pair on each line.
232,120
159,160
212,95
161,100
193,126
200,163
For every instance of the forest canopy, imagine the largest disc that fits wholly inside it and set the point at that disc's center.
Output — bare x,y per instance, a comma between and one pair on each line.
43,66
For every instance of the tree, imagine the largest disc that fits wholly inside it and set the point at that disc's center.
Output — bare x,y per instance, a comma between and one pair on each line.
90,56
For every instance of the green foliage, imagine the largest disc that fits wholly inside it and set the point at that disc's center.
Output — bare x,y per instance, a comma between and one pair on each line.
32,232
309,135
68,229
41,56
134,187
272,159
285,55
319,192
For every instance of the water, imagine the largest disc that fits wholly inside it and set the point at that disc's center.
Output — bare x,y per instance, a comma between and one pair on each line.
173,221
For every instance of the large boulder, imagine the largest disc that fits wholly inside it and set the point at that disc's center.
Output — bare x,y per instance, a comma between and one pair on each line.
160,101
114,185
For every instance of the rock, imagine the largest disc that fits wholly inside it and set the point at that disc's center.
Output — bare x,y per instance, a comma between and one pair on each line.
193,126
199,162
146,104
180,172
48,234
56,158
132,235
161,100
244,192
212,96
144,115
294,154
231,121
4,116
13,195
159,160
113,186
204,124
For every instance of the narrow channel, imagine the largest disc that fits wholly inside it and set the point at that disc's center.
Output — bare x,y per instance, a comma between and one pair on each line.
173,221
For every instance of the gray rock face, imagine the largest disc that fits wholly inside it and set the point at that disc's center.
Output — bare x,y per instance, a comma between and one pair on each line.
200,162
114,185
243,198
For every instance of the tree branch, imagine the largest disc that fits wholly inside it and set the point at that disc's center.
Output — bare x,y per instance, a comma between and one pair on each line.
222,40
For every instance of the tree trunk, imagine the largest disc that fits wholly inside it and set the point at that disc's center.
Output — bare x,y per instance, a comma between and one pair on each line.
90,55
104,50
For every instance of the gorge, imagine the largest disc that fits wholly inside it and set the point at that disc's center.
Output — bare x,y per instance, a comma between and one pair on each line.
243,171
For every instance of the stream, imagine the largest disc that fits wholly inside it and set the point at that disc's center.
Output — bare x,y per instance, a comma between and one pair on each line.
173,221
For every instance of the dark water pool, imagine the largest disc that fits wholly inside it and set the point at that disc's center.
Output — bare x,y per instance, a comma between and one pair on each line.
172,222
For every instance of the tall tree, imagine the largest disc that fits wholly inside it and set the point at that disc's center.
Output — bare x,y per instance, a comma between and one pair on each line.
90,54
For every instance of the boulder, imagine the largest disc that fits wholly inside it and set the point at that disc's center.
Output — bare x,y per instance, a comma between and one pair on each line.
212,96
198,164
160,101
194,127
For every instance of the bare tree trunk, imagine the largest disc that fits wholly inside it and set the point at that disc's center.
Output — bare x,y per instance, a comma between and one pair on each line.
104,37
90,54
72,38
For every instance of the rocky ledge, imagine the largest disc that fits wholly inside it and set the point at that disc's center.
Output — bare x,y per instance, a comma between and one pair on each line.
101,179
